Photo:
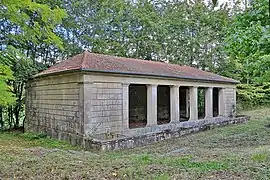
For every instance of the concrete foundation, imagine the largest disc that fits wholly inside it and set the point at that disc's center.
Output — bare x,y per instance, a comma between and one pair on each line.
120,141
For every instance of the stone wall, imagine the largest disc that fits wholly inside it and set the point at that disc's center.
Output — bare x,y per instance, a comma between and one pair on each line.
162,133
106,110
229,102
73,107
52,107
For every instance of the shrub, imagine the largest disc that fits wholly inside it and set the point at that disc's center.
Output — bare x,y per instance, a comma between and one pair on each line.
253,95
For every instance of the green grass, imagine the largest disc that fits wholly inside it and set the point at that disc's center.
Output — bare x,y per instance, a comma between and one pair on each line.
17,139
232,152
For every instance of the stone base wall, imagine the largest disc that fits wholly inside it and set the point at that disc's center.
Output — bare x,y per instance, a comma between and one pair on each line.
180,129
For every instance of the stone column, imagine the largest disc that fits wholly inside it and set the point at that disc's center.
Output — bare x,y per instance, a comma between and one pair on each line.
209,102
151,105
187,103
234,101
174,104
125,106
86,107
221,102
193,93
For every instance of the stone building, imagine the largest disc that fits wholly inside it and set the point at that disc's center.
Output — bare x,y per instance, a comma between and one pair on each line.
112,102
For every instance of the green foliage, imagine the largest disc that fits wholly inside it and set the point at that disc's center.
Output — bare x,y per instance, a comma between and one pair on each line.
261,69
24,68
43,140
35,140
34,22
260,157
7,97
19,62
251,95
196,32
182,32
27,34
32,136
162,177
248,44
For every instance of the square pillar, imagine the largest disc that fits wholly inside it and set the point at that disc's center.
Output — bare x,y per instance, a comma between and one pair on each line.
221,102
125,106
209,102
234,102
187,103
86,94
151,105
174,103
193,96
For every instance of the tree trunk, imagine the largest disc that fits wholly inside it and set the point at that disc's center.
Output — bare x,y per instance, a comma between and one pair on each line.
18,105
10,117
1,119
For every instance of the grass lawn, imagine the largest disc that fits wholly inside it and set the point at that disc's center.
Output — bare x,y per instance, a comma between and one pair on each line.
232,152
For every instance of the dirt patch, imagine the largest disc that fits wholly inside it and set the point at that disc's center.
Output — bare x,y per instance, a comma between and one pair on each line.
40,151
225,175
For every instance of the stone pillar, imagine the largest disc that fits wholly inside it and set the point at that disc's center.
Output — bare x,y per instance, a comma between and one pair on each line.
209,102
187,103
151,105
174,103
221,102
234,102
125,106
193,93
86,107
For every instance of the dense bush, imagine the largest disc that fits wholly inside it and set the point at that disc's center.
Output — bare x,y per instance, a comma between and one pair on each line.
252,95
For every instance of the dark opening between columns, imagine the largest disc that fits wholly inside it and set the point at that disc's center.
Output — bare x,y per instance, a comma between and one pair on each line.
137,106
215,102
201,102
163,104
184,103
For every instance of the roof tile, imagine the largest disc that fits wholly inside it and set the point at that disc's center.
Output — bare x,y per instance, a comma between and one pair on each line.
106,63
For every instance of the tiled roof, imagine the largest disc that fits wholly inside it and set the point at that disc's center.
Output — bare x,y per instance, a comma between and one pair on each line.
112,64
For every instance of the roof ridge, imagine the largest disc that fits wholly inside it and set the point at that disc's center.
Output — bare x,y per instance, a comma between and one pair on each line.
83,59
133,59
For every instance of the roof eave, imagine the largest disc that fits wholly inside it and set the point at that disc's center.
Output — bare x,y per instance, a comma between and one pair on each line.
132,73
155,75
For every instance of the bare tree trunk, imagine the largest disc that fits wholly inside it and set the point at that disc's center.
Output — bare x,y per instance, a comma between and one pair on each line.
1,119
18,105
10,117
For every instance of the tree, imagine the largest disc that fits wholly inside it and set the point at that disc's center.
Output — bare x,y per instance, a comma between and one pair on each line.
7,97
247,45
195,34
247,41
27,34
